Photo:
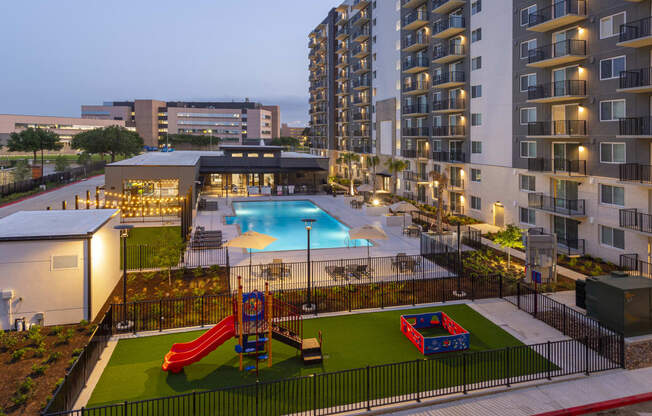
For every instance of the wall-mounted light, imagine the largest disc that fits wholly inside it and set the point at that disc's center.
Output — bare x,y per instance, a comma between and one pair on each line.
580,30
461,173
580,70
462,199
580,109
581,148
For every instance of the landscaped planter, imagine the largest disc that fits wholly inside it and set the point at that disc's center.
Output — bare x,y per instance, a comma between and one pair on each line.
397,220
376,211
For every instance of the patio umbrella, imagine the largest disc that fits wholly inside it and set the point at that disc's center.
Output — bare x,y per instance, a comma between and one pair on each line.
365,188
251,240
403,207
367,232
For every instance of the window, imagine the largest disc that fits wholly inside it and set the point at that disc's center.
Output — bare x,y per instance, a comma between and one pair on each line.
476,203
527,183
612,67
612,195
476,7
476,119
476,175
527,216
527,46
476,35
612,237
528,80
525,14
476,63
476,147
252,155
476,91
528,115
64,262
610,25
528,149
612,110
612,152
268,155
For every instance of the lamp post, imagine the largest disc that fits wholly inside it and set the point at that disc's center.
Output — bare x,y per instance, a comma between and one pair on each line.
308,306
124,233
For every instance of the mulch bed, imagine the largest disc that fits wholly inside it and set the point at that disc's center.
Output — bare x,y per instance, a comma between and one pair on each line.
53,349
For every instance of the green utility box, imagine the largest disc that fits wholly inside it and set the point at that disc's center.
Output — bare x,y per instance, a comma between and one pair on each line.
621,302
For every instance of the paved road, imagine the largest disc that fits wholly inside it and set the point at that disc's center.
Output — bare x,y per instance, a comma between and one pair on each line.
53,198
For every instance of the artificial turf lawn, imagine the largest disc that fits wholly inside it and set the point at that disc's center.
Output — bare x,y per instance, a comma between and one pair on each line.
349,341
153,236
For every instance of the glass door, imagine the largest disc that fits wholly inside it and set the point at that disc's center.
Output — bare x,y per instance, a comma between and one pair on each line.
560,46
567,231
561,77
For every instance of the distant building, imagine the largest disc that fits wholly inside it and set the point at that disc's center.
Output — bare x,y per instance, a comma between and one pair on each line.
65,127
232,122
296,132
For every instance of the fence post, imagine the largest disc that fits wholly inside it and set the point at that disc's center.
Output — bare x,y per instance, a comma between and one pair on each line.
472,288
507,366
160,315
564,323
348,291
416,372
134,316
202,310
518,295
413,303
548,357
622,350
124,408
368,390
500,286
586,354
257,403
382,295
464,372
314,394
194,402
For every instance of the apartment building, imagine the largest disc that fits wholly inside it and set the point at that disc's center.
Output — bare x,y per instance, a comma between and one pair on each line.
232,122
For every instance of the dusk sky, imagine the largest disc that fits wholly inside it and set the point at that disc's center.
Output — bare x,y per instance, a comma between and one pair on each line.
57,55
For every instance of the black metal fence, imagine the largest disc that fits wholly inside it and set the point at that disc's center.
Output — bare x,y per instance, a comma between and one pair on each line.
144,256
54,178
635,266
76,377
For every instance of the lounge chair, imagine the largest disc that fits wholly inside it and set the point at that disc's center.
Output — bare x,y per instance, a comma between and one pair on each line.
336,272
360,271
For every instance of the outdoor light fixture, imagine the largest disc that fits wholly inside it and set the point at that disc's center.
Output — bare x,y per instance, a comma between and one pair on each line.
308,306
124,233
375,202
581,148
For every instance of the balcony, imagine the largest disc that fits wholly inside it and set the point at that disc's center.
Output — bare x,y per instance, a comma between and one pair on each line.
449,131
360,133
342,91
342,62
423,131
342,76
636,172
360,51
558,53
445,6
415,20
360,18
320,85
449,79
415,43
361,35
561,206
447,53
636,221
450,105
570,248
414,64
558,91
342,33
360,101
557,128
561,13
451,26
636,34
557,166
342,48
361,116
415,176
456,184
416,110
360,67
360,4
416,88
343,118
635,127
412,4
450,157
636,81
361,84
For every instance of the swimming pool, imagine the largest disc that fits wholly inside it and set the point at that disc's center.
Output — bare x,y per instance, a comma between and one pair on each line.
282,220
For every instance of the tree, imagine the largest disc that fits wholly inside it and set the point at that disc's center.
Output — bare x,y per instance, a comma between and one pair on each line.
193,139
112,140
34,140
349,159
168,254
439,185
22,171
61,163
373,162
510,237
84,159
285,141
395,166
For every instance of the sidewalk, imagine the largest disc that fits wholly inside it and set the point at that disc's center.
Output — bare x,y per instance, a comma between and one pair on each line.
545,397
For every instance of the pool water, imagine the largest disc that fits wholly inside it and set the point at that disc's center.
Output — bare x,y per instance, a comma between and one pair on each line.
282,220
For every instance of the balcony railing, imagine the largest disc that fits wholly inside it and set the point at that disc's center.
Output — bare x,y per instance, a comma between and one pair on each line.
565,48
454,156
443,51
416,132
449,24
449,104
637,78
438,5
361,34
360,49
359,18
361,117
634,220
360,100
570,207
558,166
415,62
360,133
570,248
558,11
557,128
359,66
635,126
567,88
448,131
456,183
342,33
449,77
360,83
420,15
415,176
636,172
416,86
419,39
635,30
415,108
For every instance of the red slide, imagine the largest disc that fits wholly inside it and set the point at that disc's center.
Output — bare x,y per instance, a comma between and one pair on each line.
186,353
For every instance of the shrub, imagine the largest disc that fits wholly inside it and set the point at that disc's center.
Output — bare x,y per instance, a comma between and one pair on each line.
92,328
39,350
77,352
36,337
19,399
8,341
198,272
148,276
58,383
18,354
54,356
56,330
39,369
65,337
72,361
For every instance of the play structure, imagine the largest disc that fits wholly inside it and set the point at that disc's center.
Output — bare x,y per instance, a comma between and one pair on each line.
458,339
257,319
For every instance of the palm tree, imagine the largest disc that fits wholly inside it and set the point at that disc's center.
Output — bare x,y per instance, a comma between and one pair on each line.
440,183
372,162
395,166
349,158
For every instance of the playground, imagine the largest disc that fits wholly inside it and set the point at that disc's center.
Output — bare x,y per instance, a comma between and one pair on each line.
349,341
